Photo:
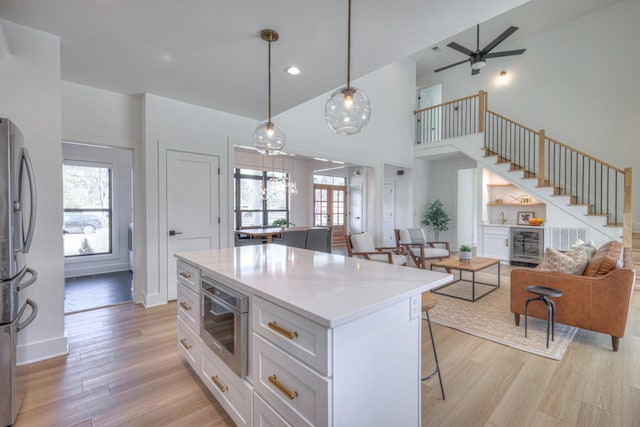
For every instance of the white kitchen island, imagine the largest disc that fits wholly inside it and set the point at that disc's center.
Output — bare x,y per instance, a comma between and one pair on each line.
331,340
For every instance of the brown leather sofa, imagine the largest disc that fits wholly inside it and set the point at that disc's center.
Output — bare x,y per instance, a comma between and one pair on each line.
598,303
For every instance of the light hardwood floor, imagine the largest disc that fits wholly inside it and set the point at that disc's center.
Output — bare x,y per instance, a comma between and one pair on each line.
124,369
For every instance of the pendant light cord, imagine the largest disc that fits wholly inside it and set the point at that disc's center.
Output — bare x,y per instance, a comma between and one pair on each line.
349,48
269,81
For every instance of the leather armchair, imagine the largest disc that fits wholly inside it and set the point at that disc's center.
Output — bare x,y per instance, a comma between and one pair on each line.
596,303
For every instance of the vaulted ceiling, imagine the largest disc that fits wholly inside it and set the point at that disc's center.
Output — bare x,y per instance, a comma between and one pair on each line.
210,53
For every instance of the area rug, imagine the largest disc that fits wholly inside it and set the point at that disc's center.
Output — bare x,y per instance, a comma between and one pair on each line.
491,318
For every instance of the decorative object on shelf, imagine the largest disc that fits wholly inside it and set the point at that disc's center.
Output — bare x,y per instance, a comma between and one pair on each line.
268,138
437,218
536,221
347,110
498,201
524,199
524,217
465,254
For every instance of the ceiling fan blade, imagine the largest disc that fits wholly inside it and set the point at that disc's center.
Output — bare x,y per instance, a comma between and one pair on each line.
474,72
452,65
505,53
499,39
459,48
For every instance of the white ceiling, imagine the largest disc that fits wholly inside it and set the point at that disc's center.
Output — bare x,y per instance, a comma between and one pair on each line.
530,18
209,52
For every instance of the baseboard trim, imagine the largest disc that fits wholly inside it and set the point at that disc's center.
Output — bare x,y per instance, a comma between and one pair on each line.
42,350
153,300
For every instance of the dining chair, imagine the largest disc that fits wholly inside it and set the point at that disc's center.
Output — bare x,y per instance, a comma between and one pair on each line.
319,239
293,238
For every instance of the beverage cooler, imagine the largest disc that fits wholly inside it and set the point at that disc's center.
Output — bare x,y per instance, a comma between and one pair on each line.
527,246
18,205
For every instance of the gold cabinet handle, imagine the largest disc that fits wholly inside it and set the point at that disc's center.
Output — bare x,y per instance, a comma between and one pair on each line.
282,331
185,306
290,394
218,384
185,275
184,343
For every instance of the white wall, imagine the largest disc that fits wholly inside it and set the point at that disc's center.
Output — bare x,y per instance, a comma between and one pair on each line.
174,124
30,94
578,81
388,138
443,184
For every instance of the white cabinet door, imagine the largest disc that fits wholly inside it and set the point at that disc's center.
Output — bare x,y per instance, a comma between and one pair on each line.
496,243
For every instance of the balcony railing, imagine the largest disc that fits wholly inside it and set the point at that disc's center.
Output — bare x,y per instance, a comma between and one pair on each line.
603,188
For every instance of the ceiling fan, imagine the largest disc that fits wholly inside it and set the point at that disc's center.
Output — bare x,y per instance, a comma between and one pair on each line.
478,59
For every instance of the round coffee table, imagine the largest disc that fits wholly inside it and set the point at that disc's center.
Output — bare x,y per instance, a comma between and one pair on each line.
543,294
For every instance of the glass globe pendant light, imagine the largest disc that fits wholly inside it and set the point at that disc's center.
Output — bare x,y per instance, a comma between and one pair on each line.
347,110
268,138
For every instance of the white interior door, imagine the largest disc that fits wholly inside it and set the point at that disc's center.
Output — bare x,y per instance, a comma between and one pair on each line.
466,224
388,223
193,209
355,207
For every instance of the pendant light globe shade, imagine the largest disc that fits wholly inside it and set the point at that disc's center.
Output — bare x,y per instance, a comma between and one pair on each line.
347,111
268,138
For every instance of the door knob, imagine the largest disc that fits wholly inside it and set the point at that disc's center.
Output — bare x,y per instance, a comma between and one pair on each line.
174,232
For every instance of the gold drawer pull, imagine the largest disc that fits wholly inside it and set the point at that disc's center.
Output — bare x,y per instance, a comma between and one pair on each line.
290,394
185,306
282,331
218,384
184,343
185,275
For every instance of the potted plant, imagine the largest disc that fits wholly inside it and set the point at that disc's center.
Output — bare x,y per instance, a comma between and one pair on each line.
437,218
465,254
282,223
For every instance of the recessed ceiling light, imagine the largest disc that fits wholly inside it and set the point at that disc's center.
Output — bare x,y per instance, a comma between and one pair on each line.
294,70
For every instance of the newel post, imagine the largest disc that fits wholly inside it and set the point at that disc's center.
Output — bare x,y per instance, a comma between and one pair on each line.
482,108
540,171
627,234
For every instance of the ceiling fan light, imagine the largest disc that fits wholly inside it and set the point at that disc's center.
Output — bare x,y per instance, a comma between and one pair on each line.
480,63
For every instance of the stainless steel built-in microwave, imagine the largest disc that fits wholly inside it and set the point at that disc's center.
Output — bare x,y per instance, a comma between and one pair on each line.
224,323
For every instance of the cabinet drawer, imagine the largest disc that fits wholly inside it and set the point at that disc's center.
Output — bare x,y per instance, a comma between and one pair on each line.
265,416
189,307
299,336
234,394
189,276
189,345
291,388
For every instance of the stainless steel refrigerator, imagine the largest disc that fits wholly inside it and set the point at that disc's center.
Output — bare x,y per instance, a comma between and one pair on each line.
17,223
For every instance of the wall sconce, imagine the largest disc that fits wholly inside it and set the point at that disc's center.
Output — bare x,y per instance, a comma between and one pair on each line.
503,77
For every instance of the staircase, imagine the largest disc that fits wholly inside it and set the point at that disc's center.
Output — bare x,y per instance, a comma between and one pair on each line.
593,192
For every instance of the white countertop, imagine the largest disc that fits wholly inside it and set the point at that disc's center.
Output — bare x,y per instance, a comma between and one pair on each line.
513,225
326,288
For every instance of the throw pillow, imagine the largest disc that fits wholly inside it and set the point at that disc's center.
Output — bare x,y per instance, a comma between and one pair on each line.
558,262
581,255
604,260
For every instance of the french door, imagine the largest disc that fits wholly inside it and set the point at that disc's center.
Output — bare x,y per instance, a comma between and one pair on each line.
330,210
